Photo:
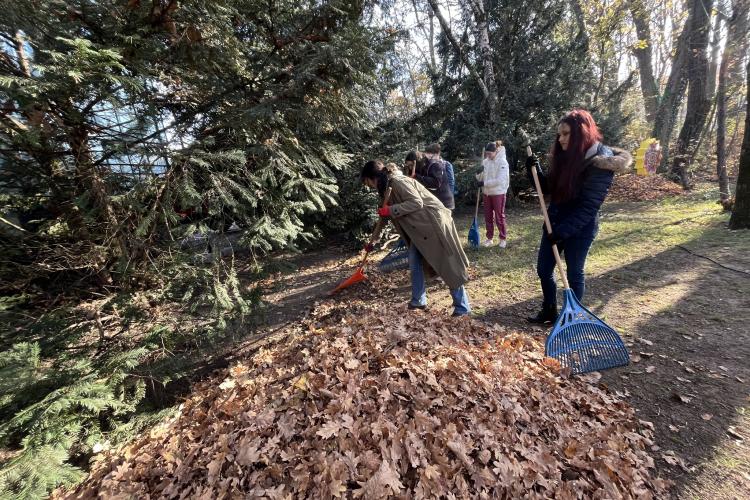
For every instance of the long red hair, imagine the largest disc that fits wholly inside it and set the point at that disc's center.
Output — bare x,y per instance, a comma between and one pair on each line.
566,167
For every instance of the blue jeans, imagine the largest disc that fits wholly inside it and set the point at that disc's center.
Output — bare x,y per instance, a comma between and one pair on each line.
575,251
419,289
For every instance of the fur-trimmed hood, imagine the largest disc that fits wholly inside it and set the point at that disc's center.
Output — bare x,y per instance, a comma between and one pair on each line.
619,162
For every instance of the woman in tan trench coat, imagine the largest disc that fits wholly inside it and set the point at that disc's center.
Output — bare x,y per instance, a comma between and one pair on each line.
427,226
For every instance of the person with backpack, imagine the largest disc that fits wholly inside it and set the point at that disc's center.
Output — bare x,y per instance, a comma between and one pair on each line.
580,174
434,149
429,170
428,229
494,180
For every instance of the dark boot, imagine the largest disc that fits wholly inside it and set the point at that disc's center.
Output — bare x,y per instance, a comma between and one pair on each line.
548,314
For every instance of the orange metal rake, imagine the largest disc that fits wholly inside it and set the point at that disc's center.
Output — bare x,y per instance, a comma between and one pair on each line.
359,274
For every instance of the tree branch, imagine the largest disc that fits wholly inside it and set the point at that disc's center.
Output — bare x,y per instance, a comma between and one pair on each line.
457,47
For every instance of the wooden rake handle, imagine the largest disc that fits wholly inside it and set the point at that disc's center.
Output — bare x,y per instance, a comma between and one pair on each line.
547,223
476,209
378,225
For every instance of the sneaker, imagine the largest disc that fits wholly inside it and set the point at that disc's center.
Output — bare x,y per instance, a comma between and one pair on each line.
412,306
548,314
487,243
502,244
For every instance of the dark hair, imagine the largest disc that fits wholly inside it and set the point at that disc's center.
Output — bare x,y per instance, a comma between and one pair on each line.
490,147
412,156
566,167
433,149
372,170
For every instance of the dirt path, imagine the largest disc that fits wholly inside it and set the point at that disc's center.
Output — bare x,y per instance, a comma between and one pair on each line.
683,316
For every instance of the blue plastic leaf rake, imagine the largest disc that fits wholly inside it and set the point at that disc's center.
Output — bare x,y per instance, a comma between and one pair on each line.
474,229
397,258
579,340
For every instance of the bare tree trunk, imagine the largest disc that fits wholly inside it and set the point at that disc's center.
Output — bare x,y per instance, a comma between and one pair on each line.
721,125
480,16
736,32
698,104
23,61
713,61
740,105
670,101
741,211
457,47
431,41
429,33
642,51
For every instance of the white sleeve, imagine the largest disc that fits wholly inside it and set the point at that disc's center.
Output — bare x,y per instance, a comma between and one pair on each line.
504,170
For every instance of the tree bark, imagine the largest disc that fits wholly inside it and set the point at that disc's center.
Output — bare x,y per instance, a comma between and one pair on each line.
740,218
698,104
457,47
431,39
670,101
721,133
730,62
713,61
642,51
23,61
483,36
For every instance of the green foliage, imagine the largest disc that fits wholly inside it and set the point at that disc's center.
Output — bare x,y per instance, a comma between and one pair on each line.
53,427
127,127
130,112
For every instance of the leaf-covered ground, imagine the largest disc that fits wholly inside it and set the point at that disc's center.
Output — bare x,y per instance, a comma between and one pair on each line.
366,401
683,316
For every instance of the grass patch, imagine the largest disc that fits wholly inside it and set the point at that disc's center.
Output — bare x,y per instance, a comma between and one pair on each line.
629,231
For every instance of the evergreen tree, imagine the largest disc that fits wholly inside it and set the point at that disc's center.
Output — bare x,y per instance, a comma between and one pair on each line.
127,125
117,116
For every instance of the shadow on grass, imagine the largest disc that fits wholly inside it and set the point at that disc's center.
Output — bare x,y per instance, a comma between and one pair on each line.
686,317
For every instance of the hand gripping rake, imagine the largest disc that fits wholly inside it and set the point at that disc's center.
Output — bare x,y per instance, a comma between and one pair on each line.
359,274
579,340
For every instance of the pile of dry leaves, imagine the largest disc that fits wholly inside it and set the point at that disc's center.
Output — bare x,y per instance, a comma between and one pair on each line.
632,187
362,402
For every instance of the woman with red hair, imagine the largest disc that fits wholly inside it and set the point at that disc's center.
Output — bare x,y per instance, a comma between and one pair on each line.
580,174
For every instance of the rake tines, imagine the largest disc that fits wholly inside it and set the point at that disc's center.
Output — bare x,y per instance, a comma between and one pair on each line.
579,340
583,342
397,258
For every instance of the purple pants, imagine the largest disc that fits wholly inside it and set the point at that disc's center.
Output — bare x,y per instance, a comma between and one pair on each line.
494,213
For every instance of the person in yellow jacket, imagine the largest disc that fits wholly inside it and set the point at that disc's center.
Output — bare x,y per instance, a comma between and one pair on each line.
428,229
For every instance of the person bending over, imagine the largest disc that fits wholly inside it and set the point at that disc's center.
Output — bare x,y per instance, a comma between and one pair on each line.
428,229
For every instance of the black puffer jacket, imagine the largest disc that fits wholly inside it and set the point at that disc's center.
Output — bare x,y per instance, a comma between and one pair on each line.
579,217
432,175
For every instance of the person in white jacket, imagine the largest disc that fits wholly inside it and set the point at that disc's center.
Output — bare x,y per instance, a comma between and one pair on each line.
494,180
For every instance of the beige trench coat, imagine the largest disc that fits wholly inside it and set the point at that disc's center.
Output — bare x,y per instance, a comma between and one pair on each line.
424,221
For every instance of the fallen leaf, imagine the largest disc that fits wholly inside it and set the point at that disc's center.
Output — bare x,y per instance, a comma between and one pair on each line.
707,416
682,398
650,369
329,429
352,364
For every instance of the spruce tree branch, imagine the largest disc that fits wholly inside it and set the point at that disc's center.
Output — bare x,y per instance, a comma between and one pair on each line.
183,120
